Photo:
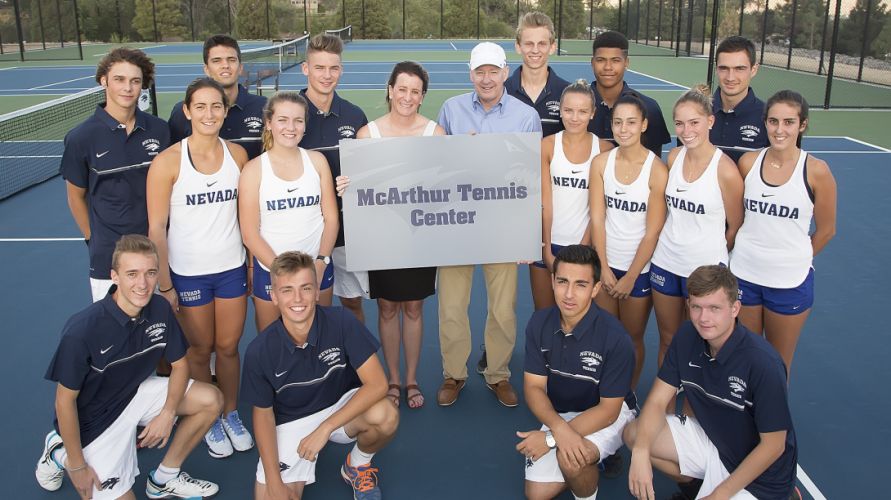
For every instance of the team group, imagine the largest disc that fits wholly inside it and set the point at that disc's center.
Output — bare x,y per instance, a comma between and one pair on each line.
238,195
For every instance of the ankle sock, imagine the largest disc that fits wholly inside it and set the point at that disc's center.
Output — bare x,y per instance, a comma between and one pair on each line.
359,457
163,474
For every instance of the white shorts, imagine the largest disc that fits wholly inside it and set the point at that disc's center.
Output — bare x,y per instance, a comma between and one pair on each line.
607,440
348,284
698,457
99,288
288,436
113,454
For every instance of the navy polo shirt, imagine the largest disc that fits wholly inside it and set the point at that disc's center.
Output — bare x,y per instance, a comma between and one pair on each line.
243,124
299,381
100,157
743,126
653,138
548,102
595,360
736,395
324,132
106,354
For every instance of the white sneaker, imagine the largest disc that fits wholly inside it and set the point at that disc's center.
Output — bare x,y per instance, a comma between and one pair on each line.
218,444
182,486
239,436
49,474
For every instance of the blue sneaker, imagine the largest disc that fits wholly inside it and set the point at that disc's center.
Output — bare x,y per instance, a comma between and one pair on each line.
239,436
218,444
363,479
50,473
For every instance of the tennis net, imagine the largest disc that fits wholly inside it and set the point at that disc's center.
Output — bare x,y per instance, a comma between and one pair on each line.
345,33
268,62
31,139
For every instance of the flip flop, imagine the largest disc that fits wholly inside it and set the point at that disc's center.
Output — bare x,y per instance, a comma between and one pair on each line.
412,399
394,397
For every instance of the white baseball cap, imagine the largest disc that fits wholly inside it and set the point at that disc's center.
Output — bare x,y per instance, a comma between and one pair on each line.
487,53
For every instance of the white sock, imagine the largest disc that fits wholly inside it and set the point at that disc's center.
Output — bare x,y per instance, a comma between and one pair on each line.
163,474
359,457
59,456
592,497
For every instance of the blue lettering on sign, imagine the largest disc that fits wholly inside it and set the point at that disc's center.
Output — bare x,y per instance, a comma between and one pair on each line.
212,197
393,196
510,192
296,202
771,209
682,204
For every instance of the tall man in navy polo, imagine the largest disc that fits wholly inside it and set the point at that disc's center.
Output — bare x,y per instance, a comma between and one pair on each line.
244,120
106,160
104,368
579,362
329,119
741,443
313,376
739,114
609,61
534,82
489,109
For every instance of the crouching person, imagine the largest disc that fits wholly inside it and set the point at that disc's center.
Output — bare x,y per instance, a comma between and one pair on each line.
312,377
577,381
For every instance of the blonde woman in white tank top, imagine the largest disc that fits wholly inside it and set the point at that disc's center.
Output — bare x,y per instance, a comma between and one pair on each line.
198,178
564,186
627,214
786,188
402,290
706,169
285,123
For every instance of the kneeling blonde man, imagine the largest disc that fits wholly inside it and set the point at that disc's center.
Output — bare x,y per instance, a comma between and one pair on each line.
579,362
312,377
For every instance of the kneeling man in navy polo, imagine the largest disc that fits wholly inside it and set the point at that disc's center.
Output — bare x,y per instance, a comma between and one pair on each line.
105,370
579,362
739,441
312,377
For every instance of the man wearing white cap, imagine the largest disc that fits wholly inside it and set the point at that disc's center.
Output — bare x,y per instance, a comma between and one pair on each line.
487,110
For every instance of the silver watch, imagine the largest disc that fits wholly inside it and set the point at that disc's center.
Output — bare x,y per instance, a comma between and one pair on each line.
324,258
549,440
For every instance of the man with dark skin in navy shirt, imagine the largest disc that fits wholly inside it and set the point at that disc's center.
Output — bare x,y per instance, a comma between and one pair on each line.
736,438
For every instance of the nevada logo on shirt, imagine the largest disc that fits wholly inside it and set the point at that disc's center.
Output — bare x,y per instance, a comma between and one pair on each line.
737,386
553,107
152,146
590,360
330,356
347,131
253,124
155,331
748,133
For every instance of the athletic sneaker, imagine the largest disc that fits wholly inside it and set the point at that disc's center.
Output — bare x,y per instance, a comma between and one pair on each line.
218,444
482,364
182,486
49,473
239,436
363,479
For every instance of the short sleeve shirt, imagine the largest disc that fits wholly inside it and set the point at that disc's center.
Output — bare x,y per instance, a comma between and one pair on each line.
112,166
736,395
547,104
243,124
741,127
653,138
595,360
106,354
465,114
324,132
297,381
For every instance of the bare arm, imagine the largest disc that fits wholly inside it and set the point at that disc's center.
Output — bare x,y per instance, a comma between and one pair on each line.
746,162
649,424
825,198
597,205
732,188
656,213
77,203
81,473
267,445
547,200
158,430
329,203
159,186
249,213
768,450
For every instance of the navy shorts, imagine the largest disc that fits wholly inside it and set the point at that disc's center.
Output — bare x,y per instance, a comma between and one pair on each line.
263,281
788,301
555,249
667,283
194,291
642,286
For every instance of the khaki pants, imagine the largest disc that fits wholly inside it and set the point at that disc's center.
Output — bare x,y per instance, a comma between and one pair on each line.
454,287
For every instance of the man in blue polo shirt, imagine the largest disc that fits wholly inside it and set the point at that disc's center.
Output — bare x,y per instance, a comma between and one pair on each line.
329,119
739,114
313,377
609,61
106,160
741,443
535,83
489,109
244,120
106,387
579,361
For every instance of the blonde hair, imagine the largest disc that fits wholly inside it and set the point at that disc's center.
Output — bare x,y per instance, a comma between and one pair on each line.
700,95
269,111
325,43
132,243
536,19
579,86
291,262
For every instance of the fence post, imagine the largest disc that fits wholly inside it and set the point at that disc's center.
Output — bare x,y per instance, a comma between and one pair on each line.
192,17
832,49
306,15
478,18
560,27
742,16
403,20
155,20
704,19
865,39
441,17
823,37
647,28
40,19
18,27
619,20
117,14
711,48
343,11
590,18
59,18
363,20
792,34
659,25
690,28
677,14
764,29
229,15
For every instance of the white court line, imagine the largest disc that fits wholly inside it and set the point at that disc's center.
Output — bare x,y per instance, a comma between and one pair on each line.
60,83
143,48
867,144
453,46
28,240
809,485
659,79
11,67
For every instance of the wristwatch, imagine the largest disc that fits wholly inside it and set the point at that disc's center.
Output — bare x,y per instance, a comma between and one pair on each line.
324,258
549,440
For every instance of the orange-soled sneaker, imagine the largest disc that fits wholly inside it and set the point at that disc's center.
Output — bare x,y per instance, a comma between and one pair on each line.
363,479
